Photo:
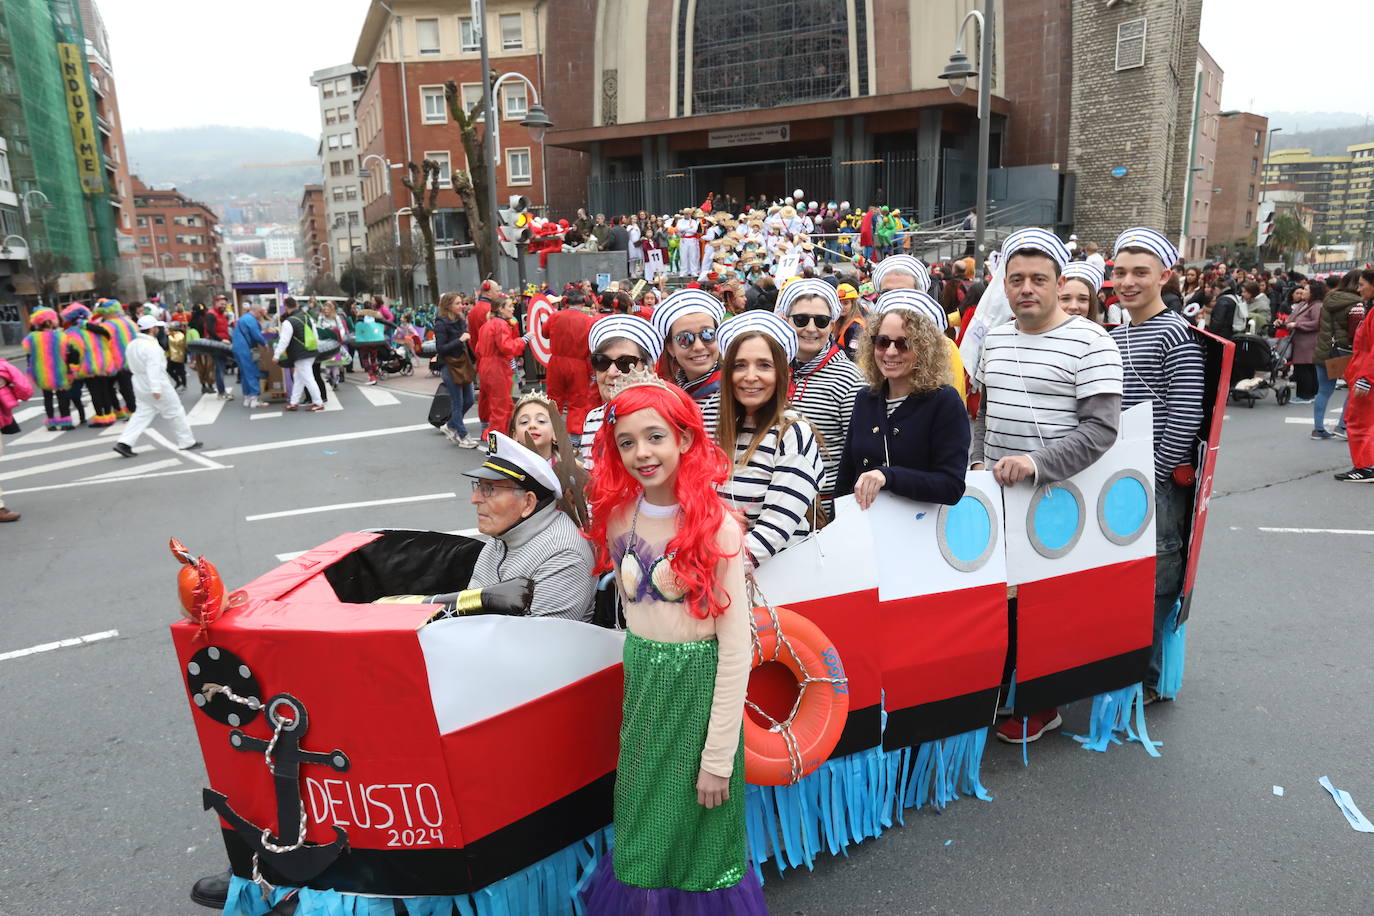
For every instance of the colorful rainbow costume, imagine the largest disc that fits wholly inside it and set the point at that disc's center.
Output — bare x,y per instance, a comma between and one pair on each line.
47,352
124,329
100,361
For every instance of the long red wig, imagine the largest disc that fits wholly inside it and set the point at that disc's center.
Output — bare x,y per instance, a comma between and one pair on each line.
702,468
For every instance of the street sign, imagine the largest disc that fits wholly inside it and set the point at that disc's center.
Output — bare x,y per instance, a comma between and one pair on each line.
1264,219
1119,171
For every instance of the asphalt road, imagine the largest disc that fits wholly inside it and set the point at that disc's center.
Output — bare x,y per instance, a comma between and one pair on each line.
101,774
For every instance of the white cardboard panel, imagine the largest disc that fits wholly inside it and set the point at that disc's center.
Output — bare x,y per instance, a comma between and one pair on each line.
837,560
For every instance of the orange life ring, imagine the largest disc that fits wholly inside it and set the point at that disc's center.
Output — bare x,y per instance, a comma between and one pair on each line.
783,751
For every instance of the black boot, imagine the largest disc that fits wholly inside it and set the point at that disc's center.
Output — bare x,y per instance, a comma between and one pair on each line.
212,890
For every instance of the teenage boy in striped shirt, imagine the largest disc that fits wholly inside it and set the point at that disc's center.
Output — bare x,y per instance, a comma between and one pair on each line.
1162,363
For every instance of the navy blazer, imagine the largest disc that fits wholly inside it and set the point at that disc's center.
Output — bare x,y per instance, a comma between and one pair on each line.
922,449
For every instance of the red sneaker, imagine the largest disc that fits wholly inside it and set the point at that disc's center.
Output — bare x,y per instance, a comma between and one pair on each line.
1024,731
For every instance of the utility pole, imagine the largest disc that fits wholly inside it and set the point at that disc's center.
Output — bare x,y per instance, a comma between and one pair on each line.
479,23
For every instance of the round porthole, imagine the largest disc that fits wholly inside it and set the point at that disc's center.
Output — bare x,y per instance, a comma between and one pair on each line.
1054,522
967,531
1124,507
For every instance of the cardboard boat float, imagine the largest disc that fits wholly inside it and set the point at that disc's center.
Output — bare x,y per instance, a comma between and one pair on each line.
359,750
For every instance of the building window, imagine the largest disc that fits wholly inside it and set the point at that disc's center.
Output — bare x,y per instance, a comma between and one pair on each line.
433,108
344,114
472,96
1130,44
445,168
346,140
512,32
336,169
1251,194
518,166
333,141
1249,217
341,86
330,117
348,166
1254,166
162,240
724,79
338,193
6,181
467,37
427,35
514,101
351,192
327,89
142,222
145,240
1256,139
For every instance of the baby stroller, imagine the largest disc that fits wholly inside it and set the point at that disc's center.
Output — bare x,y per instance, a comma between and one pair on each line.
395,359
429,348
1259,367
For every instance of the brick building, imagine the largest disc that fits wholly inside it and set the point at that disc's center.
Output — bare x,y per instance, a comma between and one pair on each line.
339,89
1134,80
1240,147
178,239
1201,177
408,49
315,231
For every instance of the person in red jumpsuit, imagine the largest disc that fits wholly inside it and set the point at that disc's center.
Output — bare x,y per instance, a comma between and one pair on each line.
499,344
1359,375
570,380
482,309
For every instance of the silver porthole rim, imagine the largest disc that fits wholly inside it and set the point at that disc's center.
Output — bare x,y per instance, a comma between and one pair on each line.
1127,539
994,523
1045,550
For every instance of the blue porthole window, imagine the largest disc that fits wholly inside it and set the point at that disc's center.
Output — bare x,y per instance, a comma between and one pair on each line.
967,531
1054,522
1124,507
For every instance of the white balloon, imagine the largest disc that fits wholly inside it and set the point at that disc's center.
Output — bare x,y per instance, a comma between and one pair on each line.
798,194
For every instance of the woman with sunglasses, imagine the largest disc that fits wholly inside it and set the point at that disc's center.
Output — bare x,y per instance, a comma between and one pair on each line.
824,379
909,433
776,469
618,343
686,322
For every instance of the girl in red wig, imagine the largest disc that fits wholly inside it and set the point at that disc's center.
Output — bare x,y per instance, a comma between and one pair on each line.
677,556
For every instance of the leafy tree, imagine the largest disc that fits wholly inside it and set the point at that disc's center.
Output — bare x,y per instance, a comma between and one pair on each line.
1290,236
355,279
323,285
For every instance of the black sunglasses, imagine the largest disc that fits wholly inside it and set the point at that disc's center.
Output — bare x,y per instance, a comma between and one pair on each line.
820,321
687,338
882,342
601,362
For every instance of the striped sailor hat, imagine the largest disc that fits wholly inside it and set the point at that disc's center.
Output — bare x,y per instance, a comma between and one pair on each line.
1090,274
1153,242
805,288
902,264
633,328
765,323
915,300
1039,239
682,303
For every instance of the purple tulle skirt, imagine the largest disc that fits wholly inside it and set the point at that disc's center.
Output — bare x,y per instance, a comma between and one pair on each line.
606,895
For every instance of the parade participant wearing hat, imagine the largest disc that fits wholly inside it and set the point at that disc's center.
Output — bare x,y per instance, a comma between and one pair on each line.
1162,364
50,366
776,469
909,433
499,343
515,493
689,242
687,322
824,380
1056,381
123,330
1078,293
902,271
155,395
298,345
618,344
570,371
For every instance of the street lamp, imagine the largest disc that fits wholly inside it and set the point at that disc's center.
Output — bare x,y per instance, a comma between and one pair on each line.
391,198
958,72
1268,148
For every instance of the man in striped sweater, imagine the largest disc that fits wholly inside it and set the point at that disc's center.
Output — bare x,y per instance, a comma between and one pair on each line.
1162,364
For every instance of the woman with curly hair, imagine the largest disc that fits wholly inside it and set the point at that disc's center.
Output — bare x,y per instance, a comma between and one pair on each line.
910,432
677,555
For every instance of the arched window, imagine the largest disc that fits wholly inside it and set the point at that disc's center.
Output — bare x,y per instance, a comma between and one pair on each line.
765,53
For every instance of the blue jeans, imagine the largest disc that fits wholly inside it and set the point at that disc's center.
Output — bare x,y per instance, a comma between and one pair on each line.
461,398
221,364
1325,387
1171,520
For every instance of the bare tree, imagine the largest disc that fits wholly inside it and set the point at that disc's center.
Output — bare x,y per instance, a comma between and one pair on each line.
471,185
423,203
48,268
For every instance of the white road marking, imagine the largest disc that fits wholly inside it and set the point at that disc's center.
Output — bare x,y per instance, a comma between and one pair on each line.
1318,530
378,397
195,456
410,394
314,440
91,483
206,410
25,413
334,403
310,510
57,466
264,416
60,644
114,429
137,469
1296,420
35,437
68,446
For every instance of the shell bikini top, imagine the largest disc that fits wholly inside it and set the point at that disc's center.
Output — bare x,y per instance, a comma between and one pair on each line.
644,571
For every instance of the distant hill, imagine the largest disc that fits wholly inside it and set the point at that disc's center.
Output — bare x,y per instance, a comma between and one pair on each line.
1329,142
1307,121
210,163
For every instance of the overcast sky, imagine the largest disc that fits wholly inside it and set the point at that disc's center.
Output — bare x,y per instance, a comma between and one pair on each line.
248,63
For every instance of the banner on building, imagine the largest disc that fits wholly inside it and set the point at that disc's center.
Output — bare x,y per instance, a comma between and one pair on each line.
82,116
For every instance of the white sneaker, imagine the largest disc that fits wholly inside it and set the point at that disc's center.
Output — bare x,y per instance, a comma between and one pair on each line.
450,434
468,442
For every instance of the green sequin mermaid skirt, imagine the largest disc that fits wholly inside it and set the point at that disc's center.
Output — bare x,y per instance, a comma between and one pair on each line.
663,837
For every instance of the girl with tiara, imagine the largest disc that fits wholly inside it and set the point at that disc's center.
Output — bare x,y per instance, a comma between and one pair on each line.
538,425
678,560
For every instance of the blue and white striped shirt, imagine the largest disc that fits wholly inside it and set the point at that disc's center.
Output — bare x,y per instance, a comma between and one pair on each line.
1161,362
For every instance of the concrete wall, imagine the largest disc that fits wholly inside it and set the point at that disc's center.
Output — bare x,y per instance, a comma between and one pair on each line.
460,274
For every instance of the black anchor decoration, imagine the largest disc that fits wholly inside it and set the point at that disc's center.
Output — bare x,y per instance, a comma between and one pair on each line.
298,862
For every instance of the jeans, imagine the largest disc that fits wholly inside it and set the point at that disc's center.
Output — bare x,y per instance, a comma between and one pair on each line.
1325,386
461,398
220,367
1171,520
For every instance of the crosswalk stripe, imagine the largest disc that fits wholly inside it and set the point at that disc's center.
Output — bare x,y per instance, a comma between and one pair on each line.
136,469
206,410
378,397
57,466
311,510
334,403
264,416
112,430
25,413
315,440
197,457
35,437
51,449
95,483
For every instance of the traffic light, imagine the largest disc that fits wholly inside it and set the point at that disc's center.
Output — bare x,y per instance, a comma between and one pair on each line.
514,228
1265,220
